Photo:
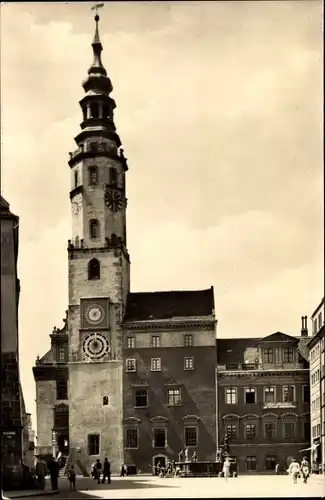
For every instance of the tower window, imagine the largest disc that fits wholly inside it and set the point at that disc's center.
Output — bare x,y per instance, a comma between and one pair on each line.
94,110
93,175
61,389
84,114
105,400
94,270
94,228
112,176
93,444
105,111
76,179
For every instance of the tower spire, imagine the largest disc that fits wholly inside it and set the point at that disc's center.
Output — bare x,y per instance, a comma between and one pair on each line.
97,66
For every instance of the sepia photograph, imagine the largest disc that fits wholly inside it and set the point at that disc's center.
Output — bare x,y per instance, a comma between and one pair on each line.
162,249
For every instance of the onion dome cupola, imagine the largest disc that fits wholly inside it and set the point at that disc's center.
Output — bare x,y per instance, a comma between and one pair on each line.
98,128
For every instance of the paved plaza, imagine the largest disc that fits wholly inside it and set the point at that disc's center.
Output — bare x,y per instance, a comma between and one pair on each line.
256,486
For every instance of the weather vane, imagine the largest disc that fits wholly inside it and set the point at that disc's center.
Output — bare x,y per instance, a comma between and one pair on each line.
96,7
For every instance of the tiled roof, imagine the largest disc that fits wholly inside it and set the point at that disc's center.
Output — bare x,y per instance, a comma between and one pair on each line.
302,347
166,305
47,358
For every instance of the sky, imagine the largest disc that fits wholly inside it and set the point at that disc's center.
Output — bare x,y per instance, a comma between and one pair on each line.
219,109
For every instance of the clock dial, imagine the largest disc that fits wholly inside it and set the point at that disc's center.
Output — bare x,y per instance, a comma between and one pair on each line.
95,346
95,314
114,200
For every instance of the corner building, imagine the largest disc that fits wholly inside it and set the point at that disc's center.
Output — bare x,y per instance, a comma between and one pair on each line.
139,368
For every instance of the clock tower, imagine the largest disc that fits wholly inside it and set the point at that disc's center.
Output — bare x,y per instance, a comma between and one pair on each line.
98,273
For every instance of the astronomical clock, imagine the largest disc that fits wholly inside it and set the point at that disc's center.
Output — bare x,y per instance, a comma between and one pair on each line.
94,335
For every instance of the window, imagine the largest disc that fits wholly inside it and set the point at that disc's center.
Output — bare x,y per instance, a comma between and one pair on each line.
250,431
155,364
269,429
288,430
231,366
112,176
320,321
269,394
131,365
268,355
305,393
61,389
159,438
315,326
131,438
94,229
141,397
94,270
131,342
288,355
61,416
174,397
105,400
93,444
189,363
306,431
93,175
288,393
250,395
61,354
76,178
270,462
190,436
231,396
231,431
94,110
188,340
251,463
155,341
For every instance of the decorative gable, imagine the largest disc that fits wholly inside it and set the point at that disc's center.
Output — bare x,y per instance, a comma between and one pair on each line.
278,337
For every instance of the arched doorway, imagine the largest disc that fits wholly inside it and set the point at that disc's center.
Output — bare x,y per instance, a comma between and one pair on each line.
155,461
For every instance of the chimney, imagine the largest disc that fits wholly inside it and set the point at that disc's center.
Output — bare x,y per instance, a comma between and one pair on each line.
304,328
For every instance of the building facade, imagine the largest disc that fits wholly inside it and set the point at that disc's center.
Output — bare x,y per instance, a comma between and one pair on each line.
125,361
317,389
263,399
12,407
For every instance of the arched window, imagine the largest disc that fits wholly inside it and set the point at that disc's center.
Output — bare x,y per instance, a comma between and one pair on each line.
94,270
77,242
94,229
112,176
93,175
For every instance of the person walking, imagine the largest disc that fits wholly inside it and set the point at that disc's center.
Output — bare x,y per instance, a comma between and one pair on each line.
123,470
41,473
54,469
106,471
72,478
294,470
98,467
226,468
305,469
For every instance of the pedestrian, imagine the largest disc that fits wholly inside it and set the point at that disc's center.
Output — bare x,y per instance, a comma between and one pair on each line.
41,473
54,469
106,471
277,469
305,469
194,457
294,470
123,470
98,467
226,468
72,478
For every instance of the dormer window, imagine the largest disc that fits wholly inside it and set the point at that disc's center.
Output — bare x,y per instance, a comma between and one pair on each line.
288,355
268,355
93,175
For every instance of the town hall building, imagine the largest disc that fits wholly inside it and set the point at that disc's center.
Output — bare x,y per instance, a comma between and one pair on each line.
130,376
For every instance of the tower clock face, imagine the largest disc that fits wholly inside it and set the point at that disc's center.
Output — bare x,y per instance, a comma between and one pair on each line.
95,346
95,314
114,200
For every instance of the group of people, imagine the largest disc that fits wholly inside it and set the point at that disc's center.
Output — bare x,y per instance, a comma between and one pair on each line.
171,469
297,470
98,469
